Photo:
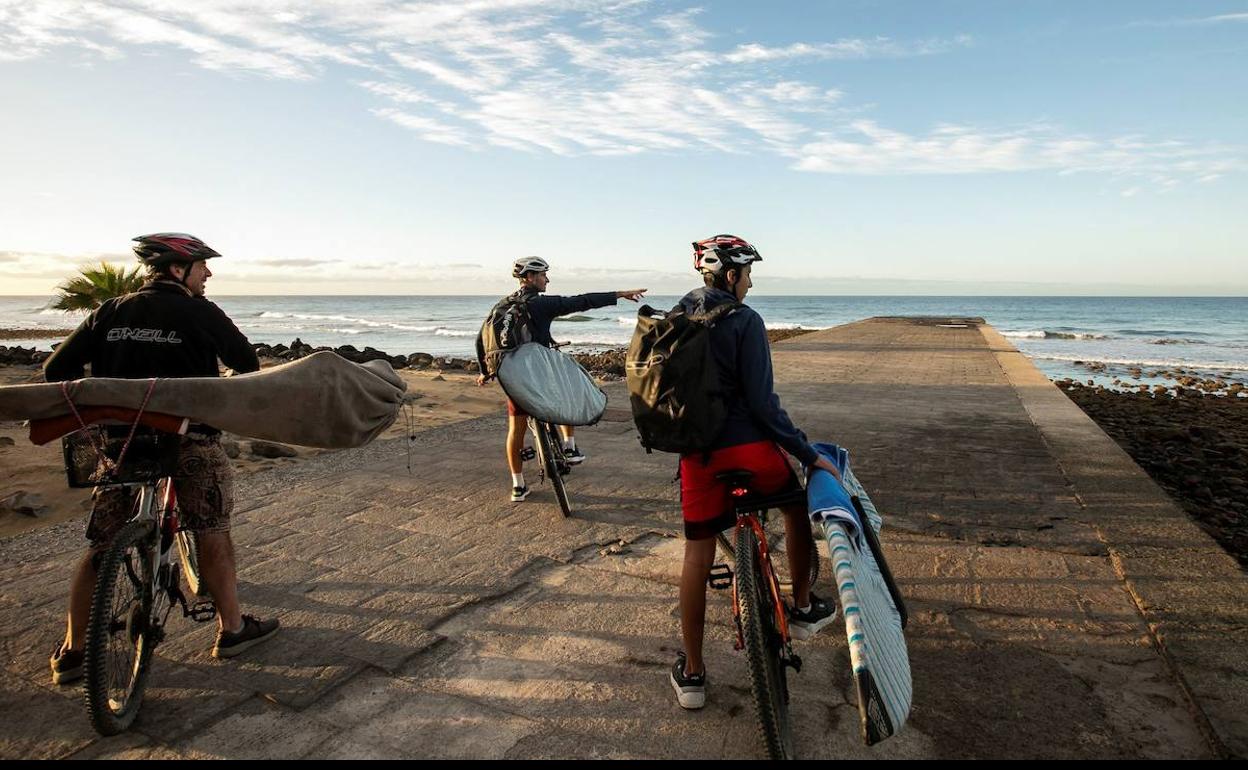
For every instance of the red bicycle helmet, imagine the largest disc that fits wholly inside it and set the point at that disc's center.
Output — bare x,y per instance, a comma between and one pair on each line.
162,248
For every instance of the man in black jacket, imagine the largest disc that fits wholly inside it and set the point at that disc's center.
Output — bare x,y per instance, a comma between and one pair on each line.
543,309
167,329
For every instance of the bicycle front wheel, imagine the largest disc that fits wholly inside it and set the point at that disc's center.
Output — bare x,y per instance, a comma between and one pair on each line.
121,632
763,647
553,464
188,551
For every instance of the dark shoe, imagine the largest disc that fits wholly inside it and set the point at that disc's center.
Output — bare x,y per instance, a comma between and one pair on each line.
804,625
519,493
573,456
66,665
690,689
252,633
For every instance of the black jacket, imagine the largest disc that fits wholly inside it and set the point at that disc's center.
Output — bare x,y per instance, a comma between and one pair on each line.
743,358
159,331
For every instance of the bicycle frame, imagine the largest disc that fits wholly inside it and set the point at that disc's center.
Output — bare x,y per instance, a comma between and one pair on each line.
166,571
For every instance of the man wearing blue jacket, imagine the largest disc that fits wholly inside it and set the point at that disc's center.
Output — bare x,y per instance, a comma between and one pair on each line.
543,309
756,436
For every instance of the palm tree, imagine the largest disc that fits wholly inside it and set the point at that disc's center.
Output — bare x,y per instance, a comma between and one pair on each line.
93,285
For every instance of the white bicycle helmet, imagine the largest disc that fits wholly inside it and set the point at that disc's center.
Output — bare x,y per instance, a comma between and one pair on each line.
529,265
715,254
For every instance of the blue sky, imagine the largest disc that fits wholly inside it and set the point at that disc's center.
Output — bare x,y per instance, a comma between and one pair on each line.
376,146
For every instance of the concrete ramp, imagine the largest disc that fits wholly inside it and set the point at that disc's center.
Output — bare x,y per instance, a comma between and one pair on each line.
1061,606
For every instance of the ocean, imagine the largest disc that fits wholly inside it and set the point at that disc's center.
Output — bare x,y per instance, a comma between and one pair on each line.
1207,336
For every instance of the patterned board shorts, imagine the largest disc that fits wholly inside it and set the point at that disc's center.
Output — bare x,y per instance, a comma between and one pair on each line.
204,485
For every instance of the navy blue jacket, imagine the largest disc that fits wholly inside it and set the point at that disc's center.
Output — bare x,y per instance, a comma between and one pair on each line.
545,308
743,358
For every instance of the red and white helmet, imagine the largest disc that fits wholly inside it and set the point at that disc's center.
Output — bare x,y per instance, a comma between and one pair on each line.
720,252
163,248
529,265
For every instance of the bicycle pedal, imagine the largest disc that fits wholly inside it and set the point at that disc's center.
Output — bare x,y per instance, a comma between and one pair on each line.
202,612
720,577
794,662
528,453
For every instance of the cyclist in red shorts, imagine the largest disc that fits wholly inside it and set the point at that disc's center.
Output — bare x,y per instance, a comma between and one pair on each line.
756,436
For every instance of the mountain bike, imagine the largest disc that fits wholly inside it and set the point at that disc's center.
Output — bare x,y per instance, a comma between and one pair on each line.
139,574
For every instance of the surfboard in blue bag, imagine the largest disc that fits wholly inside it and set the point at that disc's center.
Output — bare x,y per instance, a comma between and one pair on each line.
875,614
551,386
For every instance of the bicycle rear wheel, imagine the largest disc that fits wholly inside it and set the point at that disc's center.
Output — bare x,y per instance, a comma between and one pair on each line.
550,452
121,632
774,541
763,647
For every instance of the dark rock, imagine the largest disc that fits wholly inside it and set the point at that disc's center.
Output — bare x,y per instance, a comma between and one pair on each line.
272,449
24,503
6,441
419,360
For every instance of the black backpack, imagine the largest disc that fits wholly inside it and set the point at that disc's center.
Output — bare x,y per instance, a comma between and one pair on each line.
673,383
506,328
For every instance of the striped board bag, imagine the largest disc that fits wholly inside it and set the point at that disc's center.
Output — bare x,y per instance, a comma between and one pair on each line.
873,621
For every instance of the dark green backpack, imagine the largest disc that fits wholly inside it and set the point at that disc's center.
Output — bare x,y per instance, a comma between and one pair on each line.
506,328
673,384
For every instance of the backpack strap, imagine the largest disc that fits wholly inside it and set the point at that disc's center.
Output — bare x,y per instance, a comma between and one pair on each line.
719,312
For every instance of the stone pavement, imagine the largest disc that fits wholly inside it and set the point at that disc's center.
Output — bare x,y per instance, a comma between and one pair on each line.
1061,605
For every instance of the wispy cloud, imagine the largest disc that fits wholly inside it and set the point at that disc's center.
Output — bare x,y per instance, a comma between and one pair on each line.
844,49
864,147
587,77
1196,21
293,262
53,266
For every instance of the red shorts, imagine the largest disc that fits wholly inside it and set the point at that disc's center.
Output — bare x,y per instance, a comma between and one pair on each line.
705,501
514,409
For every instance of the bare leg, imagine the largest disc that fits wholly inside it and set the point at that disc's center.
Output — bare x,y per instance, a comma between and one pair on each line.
81,587
798,541
567,431
216,552
516,426
699,555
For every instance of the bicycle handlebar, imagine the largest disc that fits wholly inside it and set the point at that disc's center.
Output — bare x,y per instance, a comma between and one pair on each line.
51,428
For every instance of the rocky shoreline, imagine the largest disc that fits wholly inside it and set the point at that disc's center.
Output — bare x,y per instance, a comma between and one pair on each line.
1193,444
1172,381
606,364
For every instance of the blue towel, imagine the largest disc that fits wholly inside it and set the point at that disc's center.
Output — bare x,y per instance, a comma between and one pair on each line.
824,494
